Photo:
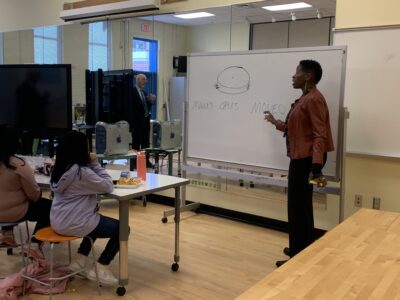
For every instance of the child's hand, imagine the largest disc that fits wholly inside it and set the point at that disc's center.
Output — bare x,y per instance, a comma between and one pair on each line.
92,157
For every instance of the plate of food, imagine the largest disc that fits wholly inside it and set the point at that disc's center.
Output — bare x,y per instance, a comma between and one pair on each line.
128,183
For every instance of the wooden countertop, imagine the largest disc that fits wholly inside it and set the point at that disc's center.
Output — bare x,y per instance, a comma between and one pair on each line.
357,259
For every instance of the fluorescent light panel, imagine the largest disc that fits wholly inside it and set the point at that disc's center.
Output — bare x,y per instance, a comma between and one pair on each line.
287,6
195,15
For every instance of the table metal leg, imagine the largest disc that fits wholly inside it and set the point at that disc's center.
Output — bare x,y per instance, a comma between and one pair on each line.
170,160
179,164
156,162
123,244
175,265
184,207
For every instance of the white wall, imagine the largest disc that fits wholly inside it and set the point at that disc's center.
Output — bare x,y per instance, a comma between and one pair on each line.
302,33
218,37
75,38
23,14
18,47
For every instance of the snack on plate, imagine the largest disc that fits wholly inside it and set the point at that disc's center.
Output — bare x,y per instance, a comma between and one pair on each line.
129,181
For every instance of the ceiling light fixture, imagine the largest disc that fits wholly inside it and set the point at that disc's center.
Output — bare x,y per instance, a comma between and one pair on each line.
293,16
287,6
319,15
194,15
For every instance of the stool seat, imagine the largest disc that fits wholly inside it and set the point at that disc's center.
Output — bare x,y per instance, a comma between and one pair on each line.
47,234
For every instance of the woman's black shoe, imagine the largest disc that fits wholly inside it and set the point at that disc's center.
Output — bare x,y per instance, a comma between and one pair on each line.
280,263
286,250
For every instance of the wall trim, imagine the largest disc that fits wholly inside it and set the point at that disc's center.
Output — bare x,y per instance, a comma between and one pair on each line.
365,28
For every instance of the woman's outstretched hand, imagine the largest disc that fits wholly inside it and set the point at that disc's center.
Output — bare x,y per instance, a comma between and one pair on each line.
269,117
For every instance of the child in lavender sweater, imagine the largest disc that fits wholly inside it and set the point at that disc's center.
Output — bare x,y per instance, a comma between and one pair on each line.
76,180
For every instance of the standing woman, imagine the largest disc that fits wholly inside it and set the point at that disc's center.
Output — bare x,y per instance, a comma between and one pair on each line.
76,180
308,139
20,195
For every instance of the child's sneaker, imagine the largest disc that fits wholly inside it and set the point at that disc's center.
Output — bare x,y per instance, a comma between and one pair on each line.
78,263
7,238
106,277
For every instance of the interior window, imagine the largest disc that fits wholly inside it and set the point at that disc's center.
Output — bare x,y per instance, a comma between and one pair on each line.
144,55
144,60
99,45
47,45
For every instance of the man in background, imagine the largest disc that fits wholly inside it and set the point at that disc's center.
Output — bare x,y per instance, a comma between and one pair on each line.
140,123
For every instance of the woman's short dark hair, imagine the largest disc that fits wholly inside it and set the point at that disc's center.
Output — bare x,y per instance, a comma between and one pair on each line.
72,149
9,138
309,65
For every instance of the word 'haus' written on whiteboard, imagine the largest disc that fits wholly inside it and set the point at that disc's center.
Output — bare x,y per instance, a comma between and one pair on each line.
229,92
227,106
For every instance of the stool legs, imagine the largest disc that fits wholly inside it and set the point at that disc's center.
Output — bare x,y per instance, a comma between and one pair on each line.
69,253
95,266
51,279
15,224
51,270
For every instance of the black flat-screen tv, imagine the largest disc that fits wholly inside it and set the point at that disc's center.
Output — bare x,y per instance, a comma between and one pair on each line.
36,99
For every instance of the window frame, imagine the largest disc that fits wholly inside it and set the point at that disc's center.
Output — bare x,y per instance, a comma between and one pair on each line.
59,44
152,59
1,48
108,46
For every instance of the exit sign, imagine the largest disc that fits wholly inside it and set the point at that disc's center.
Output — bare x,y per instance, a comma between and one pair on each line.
145,27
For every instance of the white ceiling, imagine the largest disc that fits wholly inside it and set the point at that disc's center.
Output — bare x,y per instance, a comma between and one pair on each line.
253,13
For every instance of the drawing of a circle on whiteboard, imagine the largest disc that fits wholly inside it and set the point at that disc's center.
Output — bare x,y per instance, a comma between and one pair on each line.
233,80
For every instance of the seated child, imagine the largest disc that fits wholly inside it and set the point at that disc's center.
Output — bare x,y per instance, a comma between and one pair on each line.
20,195
76,180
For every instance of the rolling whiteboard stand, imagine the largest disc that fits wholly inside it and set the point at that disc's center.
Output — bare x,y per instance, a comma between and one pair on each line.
181,173
227,95
346,116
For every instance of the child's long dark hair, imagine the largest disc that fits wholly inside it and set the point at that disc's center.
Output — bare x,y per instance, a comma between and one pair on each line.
9,145
72,149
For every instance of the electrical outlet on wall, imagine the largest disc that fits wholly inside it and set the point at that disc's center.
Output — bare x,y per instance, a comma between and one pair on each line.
358,200
376,203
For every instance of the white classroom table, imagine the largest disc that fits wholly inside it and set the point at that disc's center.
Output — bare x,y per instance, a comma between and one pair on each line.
154,183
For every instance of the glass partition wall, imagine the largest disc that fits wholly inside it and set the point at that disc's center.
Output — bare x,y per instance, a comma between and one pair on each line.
110,44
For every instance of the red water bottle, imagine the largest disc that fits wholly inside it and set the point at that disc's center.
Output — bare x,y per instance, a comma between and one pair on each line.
141,165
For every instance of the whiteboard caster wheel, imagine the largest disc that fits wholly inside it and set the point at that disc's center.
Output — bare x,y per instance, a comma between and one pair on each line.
175,267
120,291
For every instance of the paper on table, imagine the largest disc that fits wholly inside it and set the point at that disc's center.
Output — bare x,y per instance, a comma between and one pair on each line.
126,186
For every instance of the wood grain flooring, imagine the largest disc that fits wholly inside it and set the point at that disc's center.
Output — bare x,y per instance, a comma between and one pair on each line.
219,258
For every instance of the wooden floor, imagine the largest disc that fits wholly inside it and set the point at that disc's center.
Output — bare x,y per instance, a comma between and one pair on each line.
219,258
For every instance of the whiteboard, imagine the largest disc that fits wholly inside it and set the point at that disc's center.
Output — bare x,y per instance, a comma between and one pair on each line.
228,92
372,93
